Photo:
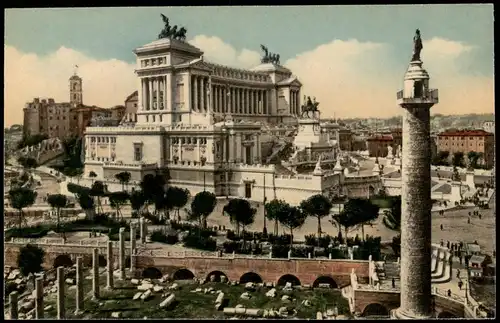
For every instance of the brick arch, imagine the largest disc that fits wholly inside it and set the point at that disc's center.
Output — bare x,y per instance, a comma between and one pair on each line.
250,277
218,274
288,278
182,274
446,315
325,279
375,309
63,260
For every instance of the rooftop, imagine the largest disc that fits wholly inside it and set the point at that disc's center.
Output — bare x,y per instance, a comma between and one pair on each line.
465,133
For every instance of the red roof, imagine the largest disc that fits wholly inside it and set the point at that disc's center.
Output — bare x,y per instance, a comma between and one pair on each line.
380,138
465,133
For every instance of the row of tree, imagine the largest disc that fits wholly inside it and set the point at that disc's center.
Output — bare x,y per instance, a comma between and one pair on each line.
458,159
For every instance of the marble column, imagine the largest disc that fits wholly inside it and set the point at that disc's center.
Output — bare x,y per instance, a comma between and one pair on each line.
238,145
109,265
265,102
203,94
236,101
13,298
195,88
121,259
252,104
150,98
132,247
95,273
247,101
79,285
165,93
254,149
39,298
144,94
158,87
416,203
61,311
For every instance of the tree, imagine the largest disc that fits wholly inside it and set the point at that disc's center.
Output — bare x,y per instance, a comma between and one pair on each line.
124,178
392,217
137,201
240,212
361,212
98,190
152,186
57,202
87,204
178,198
21,198
116,200
343,220
294,219
443,157
92,175
275,209
472,157
27,162
317,206
30,259
202,206
458,159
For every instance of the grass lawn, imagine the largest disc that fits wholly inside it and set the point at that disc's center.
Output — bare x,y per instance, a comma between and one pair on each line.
190,305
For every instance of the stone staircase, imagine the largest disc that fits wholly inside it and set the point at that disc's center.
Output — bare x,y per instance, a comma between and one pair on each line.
441,269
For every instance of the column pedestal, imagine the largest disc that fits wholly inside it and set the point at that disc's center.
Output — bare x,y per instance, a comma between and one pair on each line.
397,314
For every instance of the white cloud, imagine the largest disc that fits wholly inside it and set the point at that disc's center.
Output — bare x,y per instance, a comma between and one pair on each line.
217,51
105,82
349,78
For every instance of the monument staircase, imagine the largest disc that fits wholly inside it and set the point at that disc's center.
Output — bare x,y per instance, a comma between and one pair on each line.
279,152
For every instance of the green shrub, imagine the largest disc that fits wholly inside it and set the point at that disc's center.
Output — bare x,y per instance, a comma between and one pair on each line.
283,239
158,236
193,240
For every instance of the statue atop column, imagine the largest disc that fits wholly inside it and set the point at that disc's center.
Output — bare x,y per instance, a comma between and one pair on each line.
417,46
172,32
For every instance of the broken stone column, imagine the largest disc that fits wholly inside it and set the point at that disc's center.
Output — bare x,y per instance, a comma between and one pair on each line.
109,266
39,298
95,273
142,229
132,247
79,285
13,306
61,311
121,258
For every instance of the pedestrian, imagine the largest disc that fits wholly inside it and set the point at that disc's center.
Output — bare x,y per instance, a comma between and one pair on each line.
460,284
460,258
441,242
479,216
458,273
447,242
449,293
469,214
468,220
441,227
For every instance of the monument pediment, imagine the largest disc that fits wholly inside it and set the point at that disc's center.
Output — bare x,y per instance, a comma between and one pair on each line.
196,64
292,81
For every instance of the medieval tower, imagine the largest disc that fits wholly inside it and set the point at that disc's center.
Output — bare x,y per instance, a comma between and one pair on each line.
75,90
416,99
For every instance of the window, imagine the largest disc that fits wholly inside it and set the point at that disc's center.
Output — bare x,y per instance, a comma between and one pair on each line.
137,152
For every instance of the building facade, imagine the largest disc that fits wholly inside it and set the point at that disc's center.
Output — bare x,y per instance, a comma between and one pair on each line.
466,141
378,145
45,116
211,127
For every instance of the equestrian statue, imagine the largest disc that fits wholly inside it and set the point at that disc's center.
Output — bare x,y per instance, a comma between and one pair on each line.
309,106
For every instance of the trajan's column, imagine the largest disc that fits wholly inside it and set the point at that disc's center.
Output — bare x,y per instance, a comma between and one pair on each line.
416,99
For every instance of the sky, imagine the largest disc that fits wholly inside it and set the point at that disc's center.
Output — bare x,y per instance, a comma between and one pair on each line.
351,58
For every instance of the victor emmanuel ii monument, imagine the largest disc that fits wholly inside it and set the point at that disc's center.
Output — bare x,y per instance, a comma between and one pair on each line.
230,131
